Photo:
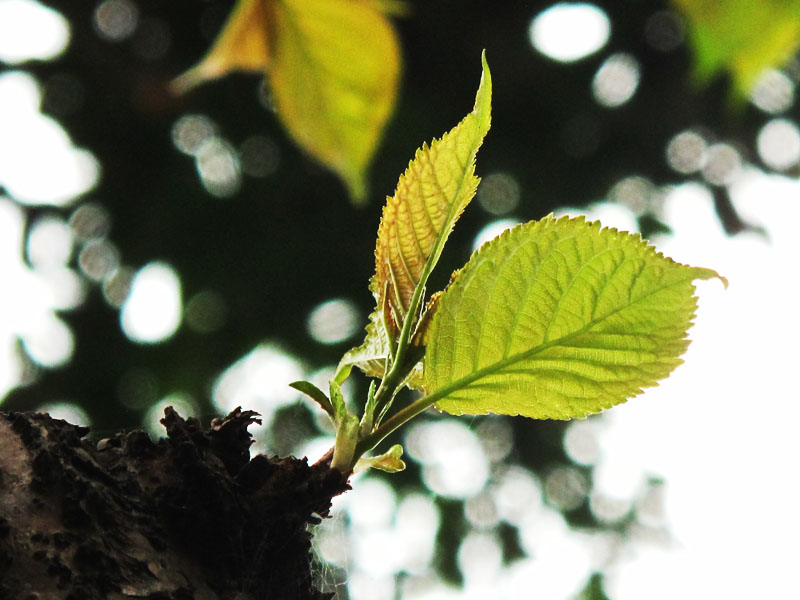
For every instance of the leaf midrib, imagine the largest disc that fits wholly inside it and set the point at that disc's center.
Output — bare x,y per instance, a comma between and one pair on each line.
454,386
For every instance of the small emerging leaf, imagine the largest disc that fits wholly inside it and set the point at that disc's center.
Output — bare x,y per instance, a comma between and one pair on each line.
332,66
744,37
389,462
316,394
558,319
340,412
370,356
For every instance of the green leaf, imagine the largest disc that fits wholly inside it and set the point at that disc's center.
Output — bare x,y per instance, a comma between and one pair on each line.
370,356
744,37
558,319
430,196
332,66
316,394
340,412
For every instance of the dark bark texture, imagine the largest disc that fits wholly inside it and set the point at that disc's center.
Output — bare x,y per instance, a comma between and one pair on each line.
191,517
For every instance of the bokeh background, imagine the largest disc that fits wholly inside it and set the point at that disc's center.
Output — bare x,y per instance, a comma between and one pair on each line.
159,250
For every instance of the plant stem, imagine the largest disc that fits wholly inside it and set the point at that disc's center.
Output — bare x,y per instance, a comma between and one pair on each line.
394,378
398,419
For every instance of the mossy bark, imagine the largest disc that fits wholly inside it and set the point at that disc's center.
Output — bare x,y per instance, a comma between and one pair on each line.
190,517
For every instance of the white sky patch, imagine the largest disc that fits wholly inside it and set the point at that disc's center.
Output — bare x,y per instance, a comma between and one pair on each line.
38,162
31,31
28,309
72,413
569,31
452,458
721,430
152,311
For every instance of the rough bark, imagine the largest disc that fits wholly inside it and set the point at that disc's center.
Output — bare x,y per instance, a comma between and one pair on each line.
189,517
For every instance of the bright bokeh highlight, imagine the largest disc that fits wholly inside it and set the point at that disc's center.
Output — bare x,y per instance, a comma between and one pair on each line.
333,321
153,309
31,31
32,144
259,381
616,80
570,31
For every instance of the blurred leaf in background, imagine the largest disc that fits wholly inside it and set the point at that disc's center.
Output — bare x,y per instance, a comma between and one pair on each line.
741,36
332,68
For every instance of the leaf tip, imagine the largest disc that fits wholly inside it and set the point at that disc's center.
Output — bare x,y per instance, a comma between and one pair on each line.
483,99
707,274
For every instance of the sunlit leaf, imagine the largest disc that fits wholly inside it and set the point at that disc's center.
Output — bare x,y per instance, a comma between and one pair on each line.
316,394
558,319
332,67
430,196
432,193
741,36
370,356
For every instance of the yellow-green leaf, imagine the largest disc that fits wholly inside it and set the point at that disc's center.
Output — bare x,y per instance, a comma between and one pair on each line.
389,462
430,196
744,37
432,193
332,66
558,319
370,356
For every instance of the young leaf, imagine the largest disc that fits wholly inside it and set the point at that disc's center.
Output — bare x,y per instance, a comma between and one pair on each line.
558,319
316,394
389,462
430,196
741,36
370,356
332,67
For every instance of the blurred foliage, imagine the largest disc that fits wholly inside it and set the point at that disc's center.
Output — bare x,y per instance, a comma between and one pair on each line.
287,240
742,37
332,67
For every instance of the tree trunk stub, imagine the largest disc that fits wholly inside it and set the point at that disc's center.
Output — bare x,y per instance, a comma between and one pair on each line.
190,517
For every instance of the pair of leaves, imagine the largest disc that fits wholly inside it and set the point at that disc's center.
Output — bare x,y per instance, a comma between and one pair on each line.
332,66
553,319
741,36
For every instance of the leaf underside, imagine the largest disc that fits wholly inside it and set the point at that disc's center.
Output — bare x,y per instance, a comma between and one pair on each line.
430,196
558,319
